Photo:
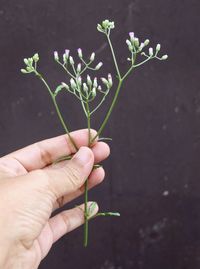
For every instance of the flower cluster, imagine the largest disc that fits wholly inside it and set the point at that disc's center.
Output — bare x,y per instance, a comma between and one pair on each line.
135,47
31,64
105,26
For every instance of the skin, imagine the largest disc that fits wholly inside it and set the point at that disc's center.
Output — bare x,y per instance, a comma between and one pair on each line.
32,187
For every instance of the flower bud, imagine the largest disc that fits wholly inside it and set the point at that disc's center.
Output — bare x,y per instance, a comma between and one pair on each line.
110,81
89,81
24,71
136,42
151,52
99,88
99,27
104,81
80,54
99,65
132,36
105,23
128,42
56,57
164,57
36,57
26,61
29,69
71,60
158,47
79,81
73,83
67,53
146,42
78,69
92,57
85,87
95,84
94,92
141,46
65,85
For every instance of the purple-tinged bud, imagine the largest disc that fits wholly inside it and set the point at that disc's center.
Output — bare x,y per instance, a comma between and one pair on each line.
80,54
67,53
85,87
132,36
151,52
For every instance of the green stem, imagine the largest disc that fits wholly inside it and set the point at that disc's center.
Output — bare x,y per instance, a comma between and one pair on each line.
109,111
57,110
114,57
86,182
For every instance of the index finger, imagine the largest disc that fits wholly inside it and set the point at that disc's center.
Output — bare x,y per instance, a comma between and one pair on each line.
43,153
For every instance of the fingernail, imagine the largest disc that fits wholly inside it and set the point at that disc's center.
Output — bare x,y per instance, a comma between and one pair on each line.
92,209
83,156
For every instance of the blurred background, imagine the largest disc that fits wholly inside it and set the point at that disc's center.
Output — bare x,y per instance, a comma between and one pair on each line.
153,173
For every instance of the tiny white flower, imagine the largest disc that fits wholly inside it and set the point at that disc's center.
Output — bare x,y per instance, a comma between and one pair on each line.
132,36
67,53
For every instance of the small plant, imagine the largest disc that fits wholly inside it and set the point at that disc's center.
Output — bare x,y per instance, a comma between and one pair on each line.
85,88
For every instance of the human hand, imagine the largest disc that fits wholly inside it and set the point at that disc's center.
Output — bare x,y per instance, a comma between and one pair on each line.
31,188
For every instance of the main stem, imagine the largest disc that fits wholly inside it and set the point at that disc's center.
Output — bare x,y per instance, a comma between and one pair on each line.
86,182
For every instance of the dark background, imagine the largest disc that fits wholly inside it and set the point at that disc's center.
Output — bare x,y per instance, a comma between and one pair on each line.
153,173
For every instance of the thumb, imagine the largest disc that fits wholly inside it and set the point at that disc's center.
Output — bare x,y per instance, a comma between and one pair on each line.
70,177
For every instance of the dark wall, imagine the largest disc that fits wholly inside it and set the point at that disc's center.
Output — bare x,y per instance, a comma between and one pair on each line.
153,174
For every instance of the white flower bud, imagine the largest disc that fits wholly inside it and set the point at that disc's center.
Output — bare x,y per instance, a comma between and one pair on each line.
36,57
128,42
73,83
65,85
141,46
164,57
136,42
85,87
79,81
132,36
92,57
89,81
146,42
78,69
26,61
56,57
104,81
110,81
67,53
71,60
94,92
158,47
24,71
151,52
95,84
80,54
99,88
99,65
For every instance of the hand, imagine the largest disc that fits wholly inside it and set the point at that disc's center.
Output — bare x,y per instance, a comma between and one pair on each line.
32,187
